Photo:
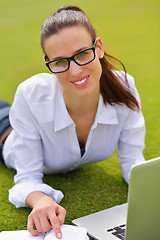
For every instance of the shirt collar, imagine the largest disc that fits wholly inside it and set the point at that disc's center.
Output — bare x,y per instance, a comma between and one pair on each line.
106,114
62,117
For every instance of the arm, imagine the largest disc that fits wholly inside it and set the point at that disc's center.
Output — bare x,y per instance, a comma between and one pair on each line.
44,209
29,188
132,139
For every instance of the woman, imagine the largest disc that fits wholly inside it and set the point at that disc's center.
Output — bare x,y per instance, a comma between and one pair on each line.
71,118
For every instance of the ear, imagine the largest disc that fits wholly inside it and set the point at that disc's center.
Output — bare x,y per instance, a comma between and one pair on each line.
99,48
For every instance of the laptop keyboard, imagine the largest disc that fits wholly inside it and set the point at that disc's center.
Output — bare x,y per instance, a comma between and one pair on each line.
118,231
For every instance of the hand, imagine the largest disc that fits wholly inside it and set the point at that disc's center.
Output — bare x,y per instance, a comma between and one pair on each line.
46,214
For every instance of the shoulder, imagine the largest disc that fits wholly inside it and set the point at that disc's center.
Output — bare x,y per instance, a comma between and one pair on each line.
122,77
36,96
39,87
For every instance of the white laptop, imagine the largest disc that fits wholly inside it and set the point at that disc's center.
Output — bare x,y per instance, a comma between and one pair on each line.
139,219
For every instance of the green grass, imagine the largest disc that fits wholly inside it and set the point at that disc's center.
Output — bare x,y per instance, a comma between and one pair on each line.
130,32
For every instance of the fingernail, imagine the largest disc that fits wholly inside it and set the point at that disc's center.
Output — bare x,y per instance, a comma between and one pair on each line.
59,235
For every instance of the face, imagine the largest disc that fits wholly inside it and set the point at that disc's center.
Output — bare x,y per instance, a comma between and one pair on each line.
78,80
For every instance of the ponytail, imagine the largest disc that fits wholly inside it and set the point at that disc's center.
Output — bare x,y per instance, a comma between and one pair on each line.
113,89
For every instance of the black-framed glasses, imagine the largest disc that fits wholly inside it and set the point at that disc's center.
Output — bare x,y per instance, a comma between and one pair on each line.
63,64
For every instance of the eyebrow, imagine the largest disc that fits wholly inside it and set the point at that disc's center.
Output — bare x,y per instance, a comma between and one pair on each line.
77,51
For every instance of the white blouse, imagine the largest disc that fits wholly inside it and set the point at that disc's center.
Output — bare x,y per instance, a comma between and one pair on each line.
44,137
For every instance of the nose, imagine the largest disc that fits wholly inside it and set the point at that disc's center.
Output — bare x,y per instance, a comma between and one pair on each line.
75,69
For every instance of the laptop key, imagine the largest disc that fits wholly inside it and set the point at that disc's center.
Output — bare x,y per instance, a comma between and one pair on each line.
118,235
123,225
118,231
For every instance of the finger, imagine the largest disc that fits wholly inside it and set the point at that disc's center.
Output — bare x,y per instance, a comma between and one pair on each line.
61,215
38,224
56,226
45,224
30,226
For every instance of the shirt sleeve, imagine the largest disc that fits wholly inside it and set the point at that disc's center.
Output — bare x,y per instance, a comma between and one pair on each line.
28,154
132,139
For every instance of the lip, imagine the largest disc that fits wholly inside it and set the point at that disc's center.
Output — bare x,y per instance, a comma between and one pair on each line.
81,82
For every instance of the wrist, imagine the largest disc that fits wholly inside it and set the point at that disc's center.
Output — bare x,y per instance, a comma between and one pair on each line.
34,197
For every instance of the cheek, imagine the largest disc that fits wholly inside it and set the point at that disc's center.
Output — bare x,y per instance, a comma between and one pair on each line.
97,68
62,78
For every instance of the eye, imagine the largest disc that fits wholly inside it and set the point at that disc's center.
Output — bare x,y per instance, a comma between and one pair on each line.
84,56
60,62
84,53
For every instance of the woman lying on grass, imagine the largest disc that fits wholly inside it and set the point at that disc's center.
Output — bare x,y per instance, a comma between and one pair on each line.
71,118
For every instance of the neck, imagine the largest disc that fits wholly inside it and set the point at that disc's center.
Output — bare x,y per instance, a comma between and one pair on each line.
80,104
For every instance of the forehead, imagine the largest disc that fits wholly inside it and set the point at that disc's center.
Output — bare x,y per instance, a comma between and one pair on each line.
67,41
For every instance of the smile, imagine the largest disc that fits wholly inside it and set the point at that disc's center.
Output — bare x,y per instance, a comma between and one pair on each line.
81,83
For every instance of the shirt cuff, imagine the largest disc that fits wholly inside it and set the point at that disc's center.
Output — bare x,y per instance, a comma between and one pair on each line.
19,192
127,168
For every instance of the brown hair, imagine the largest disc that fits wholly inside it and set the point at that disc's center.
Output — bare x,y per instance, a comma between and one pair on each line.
112,89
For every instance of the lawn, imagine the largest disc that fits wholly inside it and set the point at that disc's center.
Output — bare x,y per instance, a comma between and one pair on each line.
130,32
